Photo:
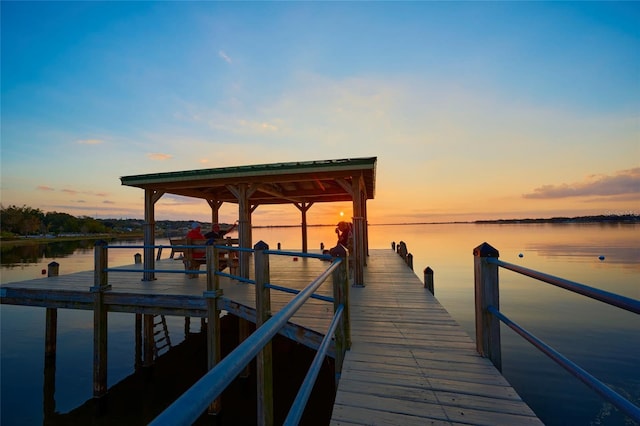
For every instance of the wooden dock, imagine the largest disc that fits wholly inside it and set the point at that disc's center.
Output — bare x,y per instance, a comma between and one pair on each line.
409,363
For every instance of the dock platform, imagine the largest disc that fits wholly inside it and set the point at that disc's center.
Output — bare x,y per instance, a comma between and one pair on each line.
410,363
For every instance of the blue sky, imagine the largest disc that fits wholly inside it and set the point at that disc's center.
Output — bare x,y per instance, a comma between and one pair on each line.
475,110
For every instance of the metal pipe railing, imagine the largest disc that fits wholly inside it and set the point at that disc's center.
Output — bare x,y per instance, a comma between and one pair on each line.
299,404
613,299
603,390
188,407
488,317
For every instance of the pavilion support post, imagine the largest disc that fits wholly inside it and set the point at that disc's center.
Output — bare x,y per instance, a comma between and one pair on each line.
487,294
358,237
365,233
264,362
214,331
100,286
242,193
304,207
150,198
215,210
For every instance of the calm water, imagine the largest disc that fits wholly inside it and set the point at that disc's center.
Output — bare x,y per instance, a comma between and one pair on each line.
599,338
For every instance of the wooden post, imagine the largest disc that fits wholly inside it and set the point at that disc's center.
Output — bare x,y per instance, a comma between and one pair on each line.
428,279
212,295
50,361
53,269
410,260
487,294
137,258
51,332
138,342
264,360
100,285
341,297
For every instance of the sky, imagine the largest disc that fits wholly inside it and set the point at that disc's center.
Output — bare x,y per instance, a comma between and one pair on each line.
474,110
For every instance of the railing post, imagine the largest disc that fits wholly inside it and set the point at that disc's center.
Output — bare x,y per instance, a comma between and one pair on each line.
212,295
341,297
487,294
428,279
264,364
100,285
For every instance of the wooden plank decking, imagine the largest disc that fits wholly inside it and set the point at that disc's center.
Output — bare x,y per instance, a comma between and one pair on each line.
409,363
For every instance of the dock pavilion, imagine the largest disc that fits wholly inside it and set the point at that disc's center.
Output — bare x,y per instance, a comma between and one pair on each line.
299,183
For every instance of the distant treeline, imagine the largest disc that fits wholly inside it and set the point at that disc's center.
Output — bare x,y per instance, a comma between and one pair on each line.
26,221
612,218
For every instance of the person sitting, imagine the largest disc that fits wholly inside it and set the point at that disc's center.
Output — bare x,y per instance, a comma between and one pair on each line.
216,233
195,233
345,236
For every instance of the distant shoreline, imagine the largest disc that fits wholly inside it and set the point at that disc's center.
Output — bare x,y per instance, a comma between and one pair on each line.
602,219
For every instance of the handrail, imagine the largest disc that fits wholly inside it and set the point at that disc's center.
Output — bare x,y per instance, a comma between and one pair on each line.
613,299
488,317
205,393
188,407
299,404
573,368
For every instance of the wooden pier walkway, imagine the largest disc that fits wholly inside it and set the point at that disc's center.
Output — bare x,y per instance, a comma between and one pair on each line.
409,363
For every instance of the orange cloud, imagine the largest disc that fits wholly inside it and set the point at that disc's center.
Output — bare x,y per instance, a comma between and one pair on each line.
623,182
159,156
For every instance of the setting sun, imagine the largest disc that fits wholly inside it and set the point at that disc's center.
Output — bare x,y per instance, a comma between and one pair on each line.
341,214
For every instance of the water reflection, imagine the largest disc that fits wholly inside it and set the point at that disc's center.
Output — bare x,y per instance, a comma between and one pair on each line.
599,338
12,256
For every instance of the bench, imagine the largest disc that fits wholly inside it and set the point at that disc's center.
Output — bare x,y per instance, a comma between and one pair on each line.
193,257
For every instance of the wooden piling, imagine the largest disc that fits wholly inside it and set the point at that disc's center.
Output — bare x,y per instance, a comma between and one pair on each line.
100,320
264,359
53,269
214,332
487,294
428,279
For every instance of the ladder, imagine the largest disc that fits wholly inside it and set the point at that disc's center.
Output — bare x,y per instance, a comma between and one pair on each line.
161,340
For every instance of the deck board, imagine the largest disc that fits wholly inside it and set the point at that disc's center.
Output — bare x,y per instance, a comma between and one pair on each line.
410,362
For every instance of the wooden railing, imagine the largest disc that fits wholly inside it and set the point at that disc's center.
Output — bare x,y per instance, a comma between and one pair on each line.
488,317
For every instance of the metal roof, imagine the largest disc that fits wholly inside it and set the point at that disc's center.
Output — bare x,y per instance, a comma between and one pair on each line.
277,183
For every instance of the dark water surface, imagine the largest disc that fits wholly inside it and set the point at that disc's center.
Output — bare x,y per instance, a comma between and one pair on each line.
602,339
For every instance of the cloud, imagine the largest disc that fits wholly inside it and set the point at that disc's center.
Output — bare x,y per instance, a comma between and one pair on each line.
258,127
159,156
70,191
623,182
89,142
224,56
108,202
44,188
